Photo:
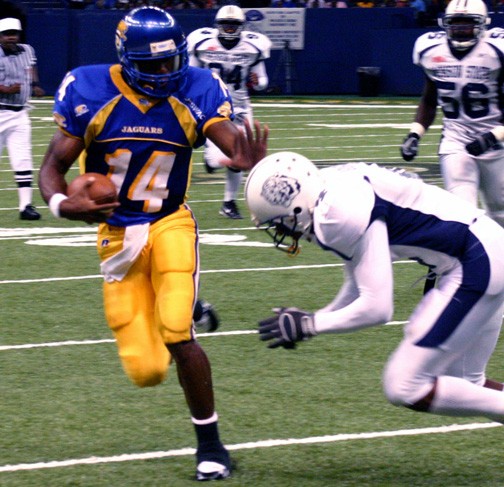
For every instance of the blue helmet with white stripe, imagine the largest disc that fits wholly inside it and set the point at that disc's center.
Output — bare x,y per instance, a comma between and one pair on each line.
152,50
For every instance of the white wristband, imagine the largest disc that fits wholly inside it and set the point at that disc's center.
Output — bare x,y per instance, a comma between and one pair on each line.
498,132
55,203
417,128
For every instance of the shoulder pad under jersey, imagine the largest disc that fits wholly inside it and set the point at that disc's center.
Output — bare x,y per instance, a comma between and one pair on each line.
260,41
198,35
427,41
495,37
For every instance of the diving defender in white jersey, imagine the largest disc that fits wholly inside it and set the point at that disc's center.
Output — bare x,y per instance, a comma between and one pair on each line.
370,216
463,66
237,56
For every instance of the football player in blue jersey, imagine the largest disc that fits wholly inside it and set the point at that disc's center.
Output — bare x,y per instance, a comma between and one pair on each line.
370,216
137,122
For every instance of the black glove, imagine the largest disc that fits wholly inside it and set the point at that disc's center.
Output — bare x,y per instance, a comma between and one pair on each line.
288,326
481,144
409,147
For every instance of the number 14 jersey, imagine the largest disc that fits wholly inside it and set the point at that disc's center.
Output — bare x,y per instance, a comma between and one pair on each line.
143,144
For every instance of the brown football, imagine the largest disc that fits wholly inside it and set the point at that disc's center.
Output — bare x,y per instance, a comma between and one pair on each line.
101,191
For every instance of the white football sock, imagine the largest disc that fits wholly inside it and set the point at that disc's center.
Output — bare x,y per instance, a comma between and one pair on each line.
25,197
233,181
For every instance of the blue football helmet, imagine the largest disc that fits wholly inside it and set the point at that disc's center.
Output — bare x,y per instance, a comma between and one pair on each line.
152,50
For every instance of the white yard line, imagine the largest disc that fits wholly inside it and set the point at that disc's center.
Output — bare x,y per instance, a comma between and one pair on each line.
208,271
248,446
67,343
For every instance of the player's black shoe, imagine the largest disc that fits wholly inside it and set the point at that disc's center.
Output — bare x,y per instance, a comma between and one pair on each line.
209,169
230,210
207,320
29,213
213,464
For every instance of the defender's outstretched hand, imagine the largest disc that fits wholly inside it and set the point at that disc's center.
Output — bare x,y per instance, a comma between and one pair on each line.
288,326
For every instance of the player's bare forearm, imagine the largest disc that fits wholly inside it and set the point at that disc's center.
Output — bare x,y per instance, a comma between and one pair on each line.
249,147
60,155
244,150
249,150
427,108
426,114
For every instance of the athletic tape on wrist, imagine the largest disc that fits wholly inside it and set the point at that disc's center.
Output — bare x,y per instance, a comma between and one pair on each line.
418,129
498,132
55,203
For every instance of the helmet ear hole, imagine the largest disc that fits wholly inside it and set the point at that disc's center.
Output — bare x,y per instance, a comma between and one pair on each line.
297,210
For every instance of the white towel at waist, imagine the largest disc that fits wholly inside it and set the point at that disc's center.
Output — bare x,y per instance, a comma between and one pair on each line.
116,267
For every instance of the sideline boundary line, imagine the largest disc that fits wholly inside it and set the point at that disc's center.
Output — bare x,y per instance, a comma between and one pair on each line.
248,446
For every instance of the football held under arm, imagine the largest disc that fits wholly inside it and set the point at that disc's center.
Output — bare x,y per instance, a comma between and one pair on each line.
366,297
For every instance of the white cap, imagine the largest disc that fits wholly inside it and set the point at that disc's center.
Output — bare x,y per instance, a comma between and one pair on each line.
10,23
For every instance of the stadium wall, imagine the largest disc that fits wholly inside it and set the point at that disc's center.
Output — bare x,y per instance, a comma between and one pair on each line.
337,43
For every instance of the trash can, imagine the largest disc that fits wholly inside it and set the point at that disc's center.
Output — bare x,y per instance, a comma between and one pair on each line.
369,80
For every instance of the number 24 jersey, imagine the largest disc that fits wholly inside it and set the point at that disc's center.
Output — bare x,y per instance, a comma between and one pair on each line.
232,65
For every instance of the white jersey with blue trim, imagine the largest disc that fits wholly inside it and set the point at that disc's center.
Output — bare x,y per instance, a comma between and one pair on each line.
232,65
424,223
469,85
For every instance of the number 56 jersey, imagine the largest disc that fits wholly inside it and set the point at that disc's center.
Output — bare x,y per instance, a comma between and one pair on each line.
469,85
144,144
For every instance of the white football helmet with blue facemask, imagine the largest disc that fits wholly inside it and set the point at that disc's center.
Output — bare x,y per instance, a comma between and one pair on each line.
281,192
229,21
152,50
465,22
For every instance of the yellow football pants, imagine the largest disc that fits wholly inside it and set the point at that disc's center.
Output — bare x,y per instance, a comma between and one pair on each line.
153,305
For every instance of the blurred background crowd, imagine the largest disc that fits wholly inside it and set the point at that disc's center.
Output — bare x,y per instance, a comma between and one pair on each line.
426,11
420,5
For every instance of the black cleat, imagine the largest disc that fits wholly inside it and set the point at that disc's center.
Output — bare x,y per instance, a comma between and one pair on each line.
209,169
213,465
230,210
29,213
209,321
